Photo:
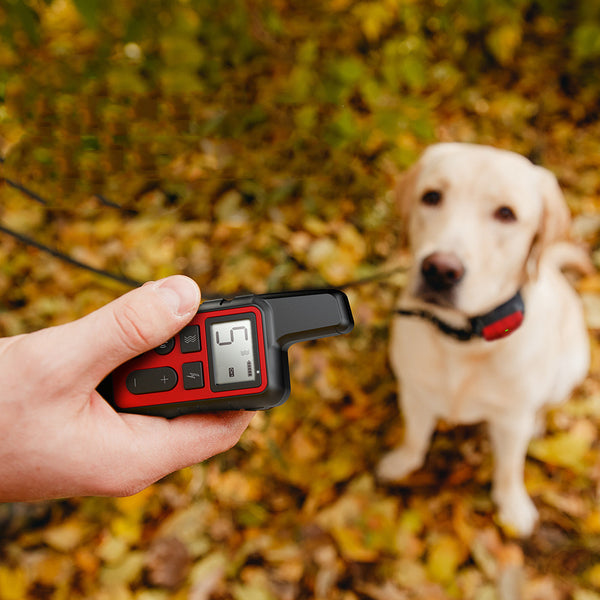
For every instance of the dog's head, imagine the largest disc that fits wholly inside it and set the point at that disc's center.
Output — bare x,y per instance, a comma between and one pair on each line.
478,220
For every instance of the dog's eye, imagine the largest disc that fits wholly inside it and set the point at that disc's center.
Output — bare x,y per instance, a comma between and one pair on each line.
431,198
505,214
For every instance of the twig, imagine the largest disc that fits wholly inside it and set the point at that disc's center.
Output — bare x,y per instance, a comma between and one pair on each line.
24,239
26,191
31,194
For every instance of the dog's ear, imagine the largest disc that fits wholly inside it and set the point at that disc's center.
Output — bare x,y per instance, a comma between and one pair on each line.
404,190
555,219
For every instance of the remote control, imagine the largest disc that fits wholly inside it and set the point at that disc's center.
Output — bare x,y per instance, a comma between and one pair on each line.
231,356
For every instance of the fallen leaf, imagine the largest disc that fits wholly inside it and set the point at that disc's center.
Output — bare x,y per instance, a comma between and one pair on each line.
445,554
566,449
126,572
66,536
206,576
167,562
13,583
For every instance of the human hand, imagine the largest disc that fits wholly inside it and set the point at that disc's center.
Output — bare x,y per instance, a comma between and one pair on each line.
59,437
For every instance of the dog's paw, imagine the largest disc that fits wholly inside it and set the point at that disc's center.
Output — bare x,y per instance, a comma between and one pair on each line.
397,464
517,514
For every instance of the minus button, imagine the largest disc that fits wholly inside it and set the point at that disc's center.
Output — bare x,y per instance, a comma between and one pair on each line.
147,381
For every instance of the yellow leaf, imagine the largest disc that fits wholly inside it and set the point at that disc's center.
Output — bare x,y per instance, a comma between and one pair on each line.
112,549
135,504
566,449
446,554
374,17
352,545
86,561
341,466
211,564
53,570
13,583
65,537
252,592
592,575
362,523
125,572
236,488
504,40
592,522
130,529
411,521
410,573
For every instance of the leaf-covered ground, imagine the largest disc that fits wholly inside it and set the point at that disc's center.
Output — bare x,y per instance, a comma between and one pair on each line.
276,174
294,510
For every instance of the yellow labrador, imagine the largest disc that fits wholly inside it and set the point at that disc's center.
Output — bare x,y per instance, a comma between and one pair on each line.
488,328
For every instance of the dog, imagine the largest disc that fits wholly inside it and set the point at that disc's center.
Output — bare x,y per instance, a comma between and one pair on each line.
488,328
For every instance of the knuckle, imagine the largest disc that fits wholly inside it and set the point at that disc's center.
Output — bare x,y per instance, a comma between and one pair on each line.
132,329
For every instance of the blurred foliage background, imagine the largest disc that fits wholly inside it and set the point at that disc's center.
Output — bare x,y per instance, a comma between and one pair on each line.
252,145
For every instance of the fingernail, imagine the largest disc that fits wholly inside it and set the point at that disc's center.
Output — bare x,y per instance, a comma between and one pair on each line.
180,293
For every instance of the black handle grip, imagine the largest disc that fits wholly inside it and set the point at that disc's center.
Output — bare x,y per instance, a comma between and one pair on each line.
309,315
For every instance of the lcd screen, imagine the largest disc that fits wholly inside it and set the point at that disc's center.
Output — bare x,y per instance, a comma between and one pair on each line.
233,352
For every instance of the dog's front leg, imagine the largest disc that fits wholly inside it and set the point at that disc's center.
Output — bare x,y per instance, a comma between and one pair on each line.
419,423
510,439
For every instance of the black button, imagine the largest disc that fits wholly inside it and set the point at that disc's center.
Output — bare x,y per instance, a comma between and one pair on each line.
189,337
193,376
146,381
166,347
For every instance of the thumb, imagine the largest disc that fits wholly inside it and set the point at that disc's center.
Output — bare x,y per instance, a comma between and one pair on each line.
130,325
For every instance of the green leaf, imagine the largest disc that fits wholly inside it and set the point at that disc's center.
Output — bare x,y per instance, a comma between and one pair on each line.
586,42
28,19
343,129
348,70
89,10
90,142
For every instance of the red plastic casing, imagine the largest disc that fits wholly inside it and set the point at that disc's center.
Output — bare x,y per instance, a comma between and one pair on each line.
123,399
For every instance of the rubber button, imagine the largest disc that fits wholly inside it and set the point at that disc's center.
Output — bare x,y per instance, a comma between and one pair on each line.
193,375
147,381
166,347
189,339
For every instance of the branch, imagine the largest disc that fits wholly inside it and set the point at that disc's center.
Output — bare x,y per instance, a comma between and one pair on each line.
25,190
106,202
24,239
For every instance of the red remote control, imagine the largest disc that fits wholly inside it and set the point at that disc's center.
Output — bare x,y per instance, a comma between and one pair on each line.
231,356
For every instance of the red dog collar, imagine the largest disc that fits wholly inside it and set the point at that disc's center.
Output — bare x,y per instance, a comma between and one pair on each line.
501,321
496,324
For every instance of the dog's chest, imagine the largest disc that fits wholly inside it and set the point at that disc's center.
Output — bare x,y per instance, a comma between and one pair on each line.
462,382
472,391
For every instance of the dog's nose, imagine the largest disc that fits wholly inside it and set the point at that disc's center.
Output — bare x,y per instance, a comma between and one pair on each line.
442,270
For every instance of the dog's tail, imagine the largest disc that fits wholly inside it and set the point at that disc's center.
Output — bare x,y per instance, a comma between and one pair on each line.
569,257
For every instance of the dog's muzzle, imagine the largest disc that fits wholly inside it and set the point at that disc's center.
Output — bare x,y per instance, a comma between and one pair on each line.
441,271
